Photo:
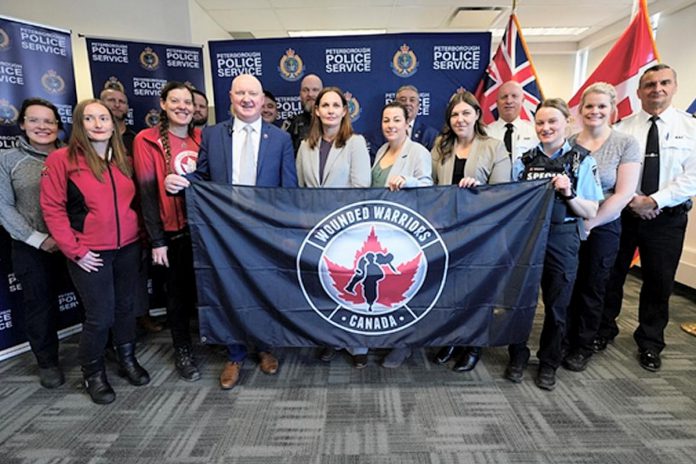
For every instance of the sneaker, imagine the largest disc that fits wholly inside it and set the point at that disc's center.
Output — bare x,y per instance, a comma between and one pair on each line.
185,365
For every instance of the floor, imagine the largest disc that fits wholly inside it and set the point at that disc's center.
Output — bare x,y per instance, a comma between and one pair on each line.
316,413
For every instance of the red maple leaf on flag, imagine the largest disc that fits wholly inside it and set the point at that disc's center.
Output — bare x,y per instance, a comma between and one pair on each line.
392,287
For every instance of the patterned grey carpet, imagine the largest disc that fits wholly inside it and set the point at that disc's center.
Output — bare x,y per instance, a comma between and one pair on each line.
315,413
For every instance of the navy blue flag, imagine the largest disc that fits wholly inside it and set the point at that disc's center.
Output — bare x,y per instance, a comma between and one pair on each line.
140,70
368,267
368,68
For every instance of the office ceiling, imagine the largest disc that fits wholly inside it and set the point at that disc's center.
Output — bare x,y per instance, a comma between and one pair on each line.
278,18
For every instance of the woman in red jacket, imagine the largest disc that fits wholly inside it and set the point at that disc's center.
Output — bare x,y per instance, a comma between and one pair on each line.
86,198
171,147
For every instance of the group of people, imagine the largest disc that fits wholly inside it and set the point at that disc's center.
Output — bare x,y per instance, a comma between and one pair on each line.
110,194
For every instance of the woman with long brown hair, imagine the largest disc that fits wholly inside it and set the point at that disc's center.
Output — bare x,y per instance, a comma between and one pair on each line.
87,193
464,155
171,147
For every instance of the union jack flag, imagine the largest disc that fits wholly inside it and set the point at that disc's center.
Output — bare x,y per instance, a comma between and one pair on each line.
511,62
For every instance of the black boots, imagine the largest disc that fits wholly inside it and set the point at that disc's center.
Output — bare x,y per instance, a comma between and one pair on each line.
129,367
184,363
96,384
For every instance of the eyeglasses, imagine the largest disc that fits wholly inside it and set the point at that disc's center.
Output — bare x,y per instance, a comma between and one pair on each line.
38,121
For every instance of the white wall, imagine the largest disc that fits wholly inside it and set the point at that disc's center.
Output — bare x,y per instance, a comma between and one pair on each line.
555,73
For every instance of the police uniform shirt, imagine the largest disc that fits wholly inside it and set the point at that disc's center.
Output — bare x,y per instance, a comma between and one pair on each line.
587,185
524,137
677,138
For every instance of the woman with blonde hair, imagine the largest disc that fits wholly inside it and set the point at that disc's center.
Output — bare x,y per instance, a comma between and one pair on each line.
618,162
87,195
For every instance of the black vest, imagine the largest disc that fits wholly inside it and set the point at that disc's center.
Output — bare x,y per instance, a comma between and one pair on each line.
537,165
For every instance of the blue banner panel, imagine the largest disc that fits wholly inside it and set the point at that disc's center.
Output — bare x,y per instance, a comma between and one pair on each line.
368,267
368,68
140,70
35,61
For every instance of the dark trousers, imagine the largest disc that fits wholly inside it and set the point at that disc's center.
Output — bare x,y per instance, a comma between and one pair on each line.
107,296
596,260
181,288
557,279
660,243
141,305
37,271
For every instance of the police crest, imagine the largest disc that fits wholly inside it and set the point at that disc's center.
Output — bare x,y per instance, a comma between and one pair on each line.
404,62
291,67
8,113
149,59
52,82
354,108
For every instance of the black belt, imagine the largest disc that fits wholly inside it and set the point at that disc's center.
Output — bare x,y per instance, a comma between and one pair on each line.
682,208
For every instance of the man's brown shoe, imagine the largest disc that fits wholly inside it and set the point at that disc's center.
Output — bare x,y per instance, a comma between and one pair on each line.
230,375
268,363
149,324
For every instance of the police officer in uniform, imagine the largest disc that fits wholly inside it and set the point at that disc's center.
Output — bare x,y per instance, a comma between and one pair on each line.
655,219
574,177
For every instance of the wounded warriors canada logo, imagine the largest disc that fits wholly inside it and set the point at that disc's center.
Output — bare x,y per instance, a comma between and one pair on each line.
372,268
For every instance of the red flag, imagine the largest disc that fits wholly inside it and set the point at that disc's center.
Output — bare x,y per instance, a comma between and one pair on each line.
511,62
633,53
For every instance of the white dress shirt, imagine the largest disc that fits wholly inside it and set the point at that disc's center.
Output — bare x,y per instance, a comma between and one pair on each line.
677,133
238,138
524,137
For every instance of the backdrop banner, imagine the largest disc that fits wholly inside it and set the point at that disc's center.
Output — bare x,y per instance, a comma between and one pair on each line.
368,267
35,61
140,70
368,68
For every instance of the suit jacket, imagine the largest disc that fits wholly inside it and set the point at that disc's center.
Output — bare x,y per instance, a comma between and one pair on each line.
348,166
276,159
423,134
488,163
413,163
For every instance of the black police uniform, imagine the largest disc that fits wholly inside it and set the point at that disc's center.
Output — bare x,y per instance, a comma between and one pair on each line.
561,258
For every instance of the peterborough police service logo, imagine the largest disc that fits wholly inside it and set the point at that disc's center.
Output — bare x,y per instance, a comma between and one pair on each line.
291,67
373,267
354,108
8,113
114,84
404,62
152,118
53,83
4,40
149,59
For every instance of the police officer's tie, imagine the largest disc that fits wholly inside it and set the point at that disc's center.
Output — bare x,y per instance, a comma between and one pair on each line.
247,162
507,139
651,162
